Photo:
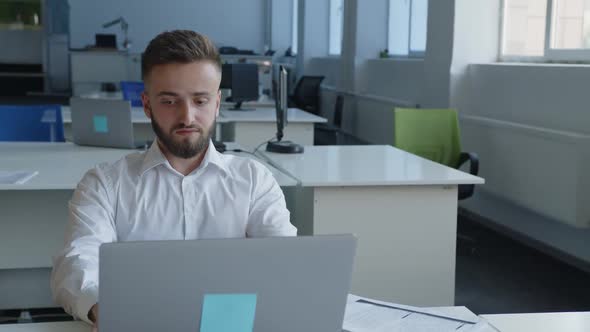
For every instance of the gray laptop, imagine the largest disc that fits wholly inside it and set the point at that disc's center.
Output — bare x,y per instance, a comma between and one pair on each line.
290,284
102,122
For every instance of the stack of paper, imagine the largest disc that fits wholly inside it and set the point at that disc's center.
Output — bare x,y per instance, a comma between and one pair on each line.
16,177
364,315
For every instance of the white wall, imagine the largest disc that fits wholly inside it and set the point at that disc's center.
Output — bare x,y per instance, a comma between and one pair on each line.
365,31
312,33
21,46
527,122
396,79
227,22
549,96
281,25
476,40
435,87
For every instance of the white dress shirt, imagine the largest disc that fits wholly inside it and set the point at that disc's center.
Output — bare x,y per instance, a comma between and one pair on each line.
141,197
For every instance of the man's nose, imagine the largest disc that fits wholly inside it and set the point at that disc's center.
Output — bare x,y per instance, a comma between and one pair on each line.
187,112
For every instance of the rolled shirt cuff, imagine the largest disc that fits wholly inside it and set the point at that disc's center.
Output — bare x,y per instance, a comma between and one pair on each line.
87,299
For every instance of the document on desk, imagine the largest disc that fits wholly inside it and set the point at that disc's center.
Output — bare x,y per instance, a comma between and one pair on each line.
363,315
16,177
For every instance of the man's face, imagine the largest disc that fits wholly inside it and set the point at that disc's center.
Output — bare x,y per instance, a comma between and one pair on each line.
182,100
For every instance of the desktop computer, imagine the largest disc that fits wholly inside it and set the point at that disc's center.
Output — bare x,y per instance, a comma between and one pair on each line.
242,79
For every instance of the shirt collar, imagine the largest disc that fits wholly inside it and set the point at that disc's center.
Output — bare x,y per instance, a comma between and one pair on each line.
155,157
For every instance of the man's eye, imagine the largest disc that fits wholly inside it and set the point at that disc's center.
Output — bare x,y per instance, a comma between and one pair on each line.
167,102
201,101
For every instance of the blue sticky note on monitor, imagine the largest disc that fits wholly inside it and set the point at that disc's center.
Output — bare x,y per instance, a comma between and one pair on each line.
100,124
228,313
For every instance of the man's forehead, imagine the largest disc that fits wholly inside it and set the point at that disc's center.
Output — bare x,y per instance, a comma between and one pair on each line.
157,75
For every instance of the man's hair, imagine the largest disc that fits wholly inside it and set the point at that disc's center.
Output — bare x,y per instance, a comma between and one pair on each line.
178,46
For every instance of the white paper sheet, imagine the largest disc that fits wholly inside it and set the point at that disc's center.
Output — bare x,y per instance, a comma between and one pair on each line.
378,316
16,177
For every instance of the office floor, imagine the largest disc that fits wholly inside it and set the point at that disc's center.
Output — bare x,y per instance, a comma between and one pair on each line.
503,276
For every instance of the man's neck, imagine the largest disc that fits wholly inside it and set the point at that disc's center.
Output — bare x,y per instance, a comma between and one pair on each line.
182,165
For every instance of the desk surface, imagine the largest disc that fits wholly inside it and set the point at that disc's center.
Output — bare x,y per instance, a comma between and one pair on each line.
365,165
294,115
62,165
119,95
137,115
541,322
72,326
78,326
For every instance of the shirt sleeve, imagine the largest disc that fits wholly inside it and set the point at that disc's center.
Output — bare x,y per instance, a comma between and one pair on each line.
74,279
268,211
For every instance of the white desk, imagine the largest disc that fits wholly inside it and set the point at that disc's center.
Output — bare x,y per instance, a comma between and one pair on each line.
403,209
33,215
541,322
225,105
72,326
249,128
78,326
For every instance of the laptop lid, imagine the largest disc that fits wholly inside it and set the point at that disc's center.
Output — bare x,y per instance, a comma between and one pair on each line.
102,122
288,284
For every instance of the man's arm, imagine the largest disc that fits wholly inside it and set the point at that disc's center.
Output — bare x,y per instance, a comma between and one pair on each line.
74,279
268,211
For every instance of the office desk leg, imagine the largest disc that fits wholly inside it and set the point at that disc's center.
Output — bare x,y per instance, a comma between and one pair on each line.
407,239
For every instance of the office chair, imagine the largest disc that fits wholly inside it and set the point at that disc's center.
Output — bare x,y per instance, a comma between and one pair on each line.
434,134
31,123
132,92
330,130
306,95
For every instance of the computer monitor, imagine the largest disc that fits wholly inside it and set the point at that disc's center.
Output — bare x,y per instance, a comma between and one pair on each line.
242,79
104,40
280,93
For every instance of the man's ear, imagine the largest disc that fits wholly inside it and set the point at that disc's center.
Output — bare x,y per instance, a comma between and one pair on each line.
218,103
147,109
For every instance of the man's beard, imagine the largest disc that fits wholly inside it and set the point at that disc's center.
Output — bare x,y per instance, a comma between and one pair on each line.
186,148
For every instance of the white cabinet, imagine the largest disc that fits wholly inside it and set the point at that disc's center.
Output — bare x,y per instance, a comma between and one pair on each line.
92,68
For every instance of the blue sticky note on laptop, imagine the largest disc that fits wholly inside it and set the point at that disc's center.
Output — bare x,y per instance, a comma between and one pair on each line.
228,313
100,124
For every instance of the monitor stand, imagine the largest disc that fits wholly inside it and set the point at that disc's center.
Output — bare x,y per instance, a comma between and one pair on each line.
284,147
238,107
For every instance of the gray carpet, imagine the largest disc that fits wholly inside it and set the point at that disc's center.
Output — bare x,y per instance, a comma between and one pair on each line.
498,275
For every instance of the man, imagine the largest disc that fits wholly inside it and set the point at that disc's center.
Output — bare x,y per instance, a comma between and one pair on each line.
181,188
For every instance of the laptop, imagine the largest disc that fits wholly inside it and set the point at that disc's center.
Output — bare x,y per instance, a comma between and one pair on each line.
103,122
287,284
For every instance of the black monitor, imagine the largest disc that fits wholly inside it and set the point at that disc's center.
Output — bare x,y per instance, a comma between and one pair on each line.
280,93
242,79
103,40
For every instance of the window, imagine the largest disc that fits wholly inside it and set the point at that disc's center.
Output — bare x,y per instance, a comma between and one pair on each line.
20,14
545,30
294,24
408,20
336,21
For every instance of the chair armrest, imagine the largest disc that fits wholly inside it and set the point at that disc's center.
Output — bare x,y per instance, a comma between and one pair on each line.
473,162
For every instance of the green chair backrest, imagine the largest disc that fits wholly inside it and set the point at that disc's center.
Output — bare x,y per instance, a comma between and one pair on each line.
429,133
